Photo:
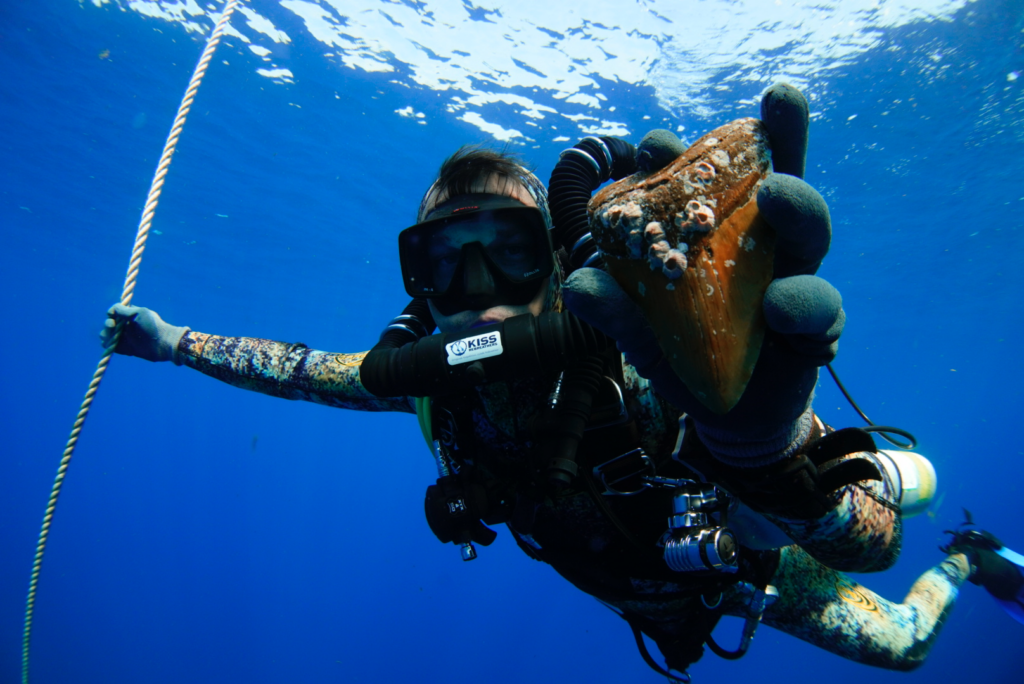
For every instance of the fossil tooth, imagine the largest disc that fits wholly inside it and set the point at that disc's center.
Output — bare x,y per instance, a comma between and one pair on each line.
703,296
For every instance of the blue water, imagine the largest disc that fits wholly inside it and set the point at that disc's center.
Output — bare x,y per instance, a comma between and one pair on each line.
207,534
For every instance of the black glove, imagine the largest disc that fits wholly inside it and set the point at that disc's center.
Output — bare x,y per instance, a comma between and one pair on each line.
804,313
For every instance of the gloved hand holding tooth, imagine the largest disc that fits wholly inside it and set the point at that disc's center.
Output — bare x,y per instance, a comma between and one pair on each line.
145,334
803,314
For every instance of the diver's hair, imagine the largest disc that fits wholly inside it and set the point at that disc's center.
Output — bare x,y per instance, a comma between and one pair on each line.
470,163
460,171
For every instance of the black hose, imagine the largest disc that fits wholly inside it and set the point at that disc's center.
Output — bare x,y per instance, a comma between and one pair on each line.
681,678
568,413
723,652
883,430
415,322
403,364
581,170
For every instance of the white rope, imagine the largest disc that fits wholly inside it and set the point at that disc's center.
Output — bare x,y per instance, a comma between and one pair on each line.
126,299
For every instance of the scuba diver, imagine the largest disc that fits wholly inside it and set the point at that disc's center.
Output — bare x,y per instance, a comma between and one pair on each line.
549,406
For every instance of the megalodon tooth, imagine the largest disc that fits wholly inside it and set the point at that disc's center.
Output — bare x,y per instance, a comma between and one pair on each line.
688,245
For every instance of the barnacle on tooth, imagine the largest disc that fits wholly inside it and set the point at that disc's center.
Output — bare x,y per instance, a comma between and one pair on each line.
671,261
632,214
687,243
674,264
699,217
721,158
656,254
654,232
661,247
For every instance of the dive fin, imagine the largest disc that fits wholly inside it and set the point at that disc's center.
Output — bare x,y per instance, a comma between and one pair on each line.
1015,606
1012,556
999,569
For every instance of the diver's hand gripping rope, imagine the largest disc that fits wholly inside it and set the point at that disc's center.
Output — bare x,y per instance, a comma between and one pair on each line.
126,299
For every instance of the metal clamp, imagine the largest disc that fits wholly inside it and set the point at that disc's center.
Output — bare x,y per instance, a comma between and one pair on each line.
407,323
574,151
604,150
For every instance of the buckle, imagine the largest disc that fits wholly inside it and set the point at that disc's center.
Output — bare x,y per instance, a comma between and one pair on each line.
626,474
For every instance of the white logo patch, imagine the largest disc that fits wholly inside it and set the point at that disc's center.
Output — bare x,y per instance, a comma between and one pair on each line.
472,348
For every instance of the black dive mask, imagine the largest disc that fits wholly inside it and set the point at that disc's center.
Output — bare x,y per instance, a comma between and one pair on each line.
476,252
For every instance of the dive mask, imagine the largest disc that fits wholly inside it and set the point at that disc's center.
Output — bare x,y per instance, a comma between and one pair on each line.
475,252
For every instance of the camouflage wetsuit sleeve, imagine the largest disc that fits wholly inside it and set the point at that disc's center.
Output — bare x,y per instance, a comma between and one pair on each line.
831,611
289,371
863,533
825,608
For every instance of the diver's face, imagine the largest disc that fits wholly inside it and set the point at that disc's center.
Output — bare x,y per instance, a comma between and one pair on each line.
490,236
511,249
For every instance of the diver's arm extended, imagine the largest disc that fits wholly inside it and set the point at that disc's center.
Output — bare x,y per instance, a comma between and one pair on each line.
834,612
280,369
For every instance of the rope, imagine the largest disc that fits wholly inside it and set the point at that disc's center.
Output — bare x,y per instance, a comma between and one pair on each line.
126,299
